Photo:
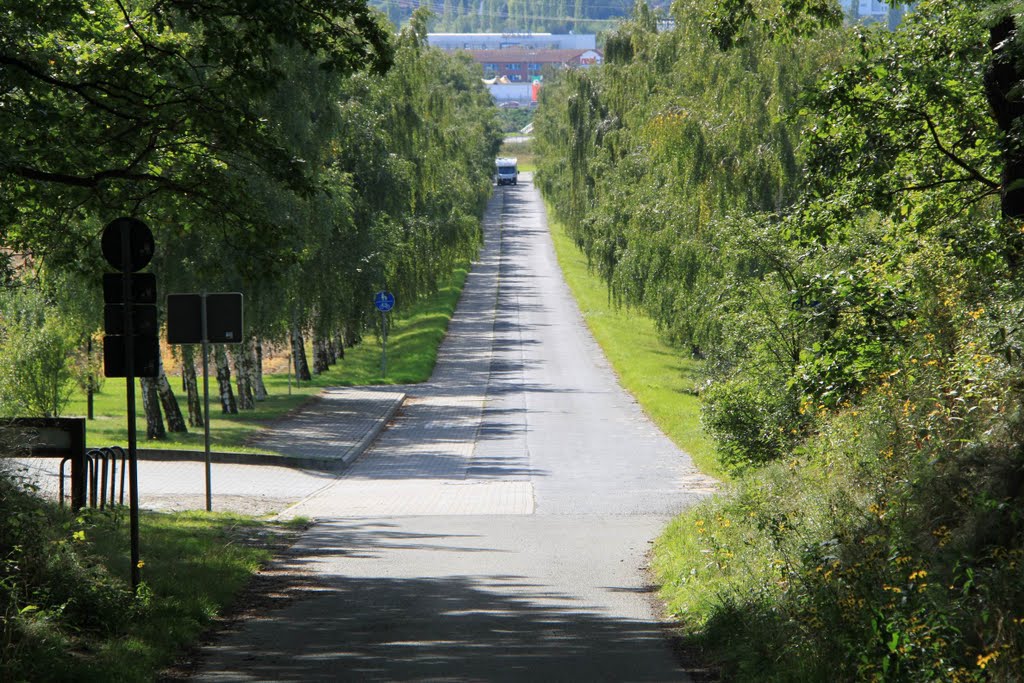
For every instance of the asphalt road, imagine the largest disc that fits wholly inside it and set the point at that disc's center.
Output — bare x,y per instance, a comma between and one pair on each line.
498,529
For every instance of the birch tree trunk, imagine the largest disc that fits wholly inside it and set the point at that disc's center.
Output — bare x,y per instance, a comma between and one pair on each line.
227,397
320,359
339,345
259,388
299,355
243,378
351,334
330,357
151,407
175,421
188,378
332,349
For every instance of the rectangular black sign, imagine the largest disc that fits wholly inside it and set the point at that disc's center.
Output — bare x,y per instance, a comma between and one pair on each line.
146,350
143,319
143,288
223,318
184,318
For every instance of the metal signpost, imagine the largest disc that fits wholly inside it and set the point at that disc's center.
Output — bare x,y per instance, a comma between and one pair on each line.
384,301
205,319
130,345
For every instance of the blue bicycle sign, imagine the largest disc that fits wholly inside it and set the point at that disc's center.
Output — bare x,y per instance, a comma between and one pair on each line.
384,301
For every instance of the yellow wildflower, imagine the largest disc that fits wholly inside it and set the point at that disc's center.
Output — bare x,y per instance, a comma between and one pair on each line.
983,660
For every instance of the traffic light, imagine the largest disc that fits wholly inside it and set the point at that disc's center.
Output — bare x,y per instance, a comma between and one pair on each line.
129,301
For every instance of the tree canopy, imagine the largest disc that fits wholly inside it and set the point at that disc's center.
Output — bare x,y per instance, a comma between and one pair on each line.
301,153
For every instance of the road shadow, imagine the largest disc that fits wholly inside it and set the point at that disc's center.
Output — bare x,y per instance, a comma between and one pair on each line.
486,627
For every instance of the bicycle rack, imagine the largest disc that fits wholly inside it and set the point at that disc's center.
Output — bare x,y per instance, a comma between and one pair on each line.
124,458
100,470
88,475
98,474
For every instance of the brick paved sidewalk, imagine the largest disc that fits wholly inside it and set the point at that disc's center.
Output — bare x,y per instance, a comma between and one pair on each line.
331,431
336,428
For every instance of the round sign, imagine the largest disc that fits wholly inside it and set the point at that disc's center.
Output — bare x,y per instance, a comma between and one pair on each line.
134,234
384,301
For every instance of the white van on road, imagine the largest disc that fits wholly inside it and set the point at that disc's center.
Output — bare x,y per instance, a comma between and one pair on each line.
506,171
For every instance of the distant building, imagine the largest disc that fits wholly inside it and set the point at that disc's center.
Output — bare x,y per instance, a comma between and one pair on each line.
504,41
876,11
514,76
869,8
524,66
513,95
514,63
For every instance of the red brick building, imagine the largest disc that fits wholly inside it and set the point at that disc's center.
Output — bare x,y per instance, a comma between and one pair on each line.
522,66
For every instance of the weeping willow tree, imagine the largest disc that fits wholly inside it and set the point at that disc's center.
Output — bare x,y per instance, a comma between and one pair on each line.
441,122
402,162
832,216
649,158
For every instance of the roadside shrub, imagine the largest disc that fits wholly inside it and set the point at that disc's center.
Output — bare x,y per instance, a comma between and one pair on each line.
751,425
87,366
50,587
35,352
514,120
883,548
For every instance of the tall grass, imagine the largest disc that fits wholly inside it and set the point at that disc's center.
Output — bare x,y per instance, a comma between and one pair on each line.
864,556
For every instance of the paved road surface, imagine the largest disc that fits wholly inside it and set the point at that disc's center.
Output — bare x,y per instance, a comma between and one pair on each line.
498,529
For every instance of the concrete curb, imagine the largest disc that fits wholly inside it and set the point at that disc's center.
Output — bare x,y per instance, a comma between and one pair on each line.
374,431
229,458
278,460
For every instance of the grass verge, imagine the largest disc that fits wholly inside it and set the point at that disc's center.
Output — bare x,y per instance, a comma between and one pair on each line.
69,612
658,375
414,336
870,555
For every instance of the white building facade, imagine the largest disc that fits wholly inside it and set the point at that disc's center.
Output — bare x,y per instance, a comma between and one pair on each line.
871,8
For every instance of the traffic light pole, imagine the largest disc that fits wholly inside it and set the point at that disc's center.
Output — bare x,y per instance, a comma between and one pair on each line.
133,462
129,309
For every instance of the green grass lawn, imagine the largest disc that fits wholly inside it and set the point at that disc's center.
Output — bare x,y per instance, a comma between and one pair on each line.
416,332
660,377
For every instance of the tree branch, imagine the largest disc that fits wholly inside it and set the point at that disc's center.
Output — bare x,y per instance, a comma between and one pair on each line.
933,185
77,88
971,171
88,181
